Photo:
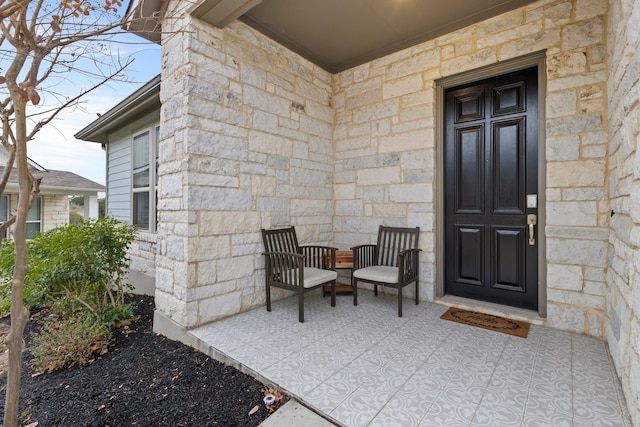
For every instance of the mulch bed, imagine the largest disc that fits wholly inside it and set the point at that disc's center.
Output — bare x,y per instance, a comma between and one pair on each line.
144,380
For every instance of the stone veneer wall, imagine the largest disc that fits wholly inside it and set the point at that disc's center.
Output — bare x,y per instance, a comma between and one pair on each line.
55,212
246,143
254,136
143,253
623,277
385,142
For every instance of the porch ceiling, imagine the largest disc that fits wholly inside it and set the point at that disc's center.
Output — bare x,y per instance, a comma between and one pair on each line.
340,34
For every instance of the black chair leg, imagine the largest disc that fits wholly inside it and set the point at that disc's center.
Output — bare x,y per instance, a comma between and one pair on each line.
400,302
301,307
416,292
354,286
268,298
333,293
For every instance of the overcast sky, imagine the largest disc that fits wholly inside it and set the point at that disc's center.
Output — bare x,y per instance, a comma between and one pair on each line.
54,147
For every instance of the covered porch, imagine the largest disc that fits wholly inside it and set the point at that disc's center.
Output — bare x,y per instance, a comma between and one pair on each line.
364,366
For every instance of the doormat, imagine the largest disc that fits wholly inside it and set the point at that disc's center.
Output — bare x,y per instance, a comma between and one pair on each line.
487,321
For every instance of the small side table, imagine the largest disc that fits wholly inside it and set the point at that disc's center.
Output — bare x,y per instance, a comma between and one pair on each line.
344,261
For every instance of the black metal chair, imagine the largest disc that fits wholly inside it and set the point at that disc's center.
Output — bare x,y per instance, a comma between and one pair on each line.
392,262
297,268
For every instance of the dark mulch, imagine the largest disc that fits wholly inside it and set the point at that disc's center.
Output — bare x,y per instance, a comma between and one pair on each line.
144,380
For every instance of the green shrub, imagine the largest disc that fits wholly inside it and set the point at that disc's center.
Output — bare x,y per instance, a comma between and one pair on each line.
75,218
77,271
76,340
75,268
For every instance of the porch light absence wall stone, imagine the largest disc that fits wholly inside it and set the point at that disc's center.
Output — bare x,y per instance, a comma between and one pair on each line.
623,276
246,143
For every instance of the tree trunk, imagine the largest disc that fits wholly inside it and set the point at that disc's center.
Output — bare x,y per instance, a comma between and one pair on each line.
19,313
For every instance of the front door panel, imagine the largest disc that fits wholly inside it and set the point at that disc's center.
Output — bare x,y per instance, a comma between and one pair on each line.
491,150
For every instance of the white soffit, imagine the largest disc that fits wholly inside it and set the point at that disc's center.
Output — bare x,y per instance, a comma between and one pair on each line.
222,12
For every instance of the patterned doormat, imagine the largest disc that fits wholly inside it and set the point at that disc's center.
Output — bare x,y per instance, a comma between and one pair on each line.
487,321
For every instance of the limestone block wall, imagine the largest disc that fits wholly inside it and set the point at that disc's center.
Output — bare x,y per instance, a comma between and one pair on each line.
246,131
254,136
55,211
142,253
623,276
385,142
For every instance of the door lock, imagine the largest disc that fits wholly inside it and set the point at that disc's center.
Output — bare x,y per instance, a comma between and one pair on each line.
532,220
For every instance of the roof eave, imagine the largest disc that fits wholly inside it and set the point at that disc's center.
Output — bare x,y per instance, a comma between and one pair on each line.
144,18
145,98
48,190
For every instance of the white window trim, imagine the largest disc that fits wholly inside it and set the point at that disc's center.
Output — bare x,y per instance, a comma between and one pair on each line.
153,179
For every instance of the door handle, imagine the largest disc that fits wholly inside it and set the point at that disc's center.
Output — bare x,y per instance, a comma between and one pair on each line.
532,220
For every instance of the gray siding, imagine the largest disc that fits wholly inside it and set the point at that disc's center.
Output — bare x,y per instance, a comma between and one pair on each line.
119,167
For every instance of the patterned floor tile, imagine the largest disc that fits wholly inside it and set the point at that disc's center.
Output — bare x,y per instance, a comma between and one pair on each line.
326,397
365,367
402,417
498,414
439,416
355,411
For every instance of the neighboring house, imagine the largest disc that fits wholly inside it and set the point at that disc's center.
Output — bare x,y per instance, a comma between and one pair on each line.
466,132
50,209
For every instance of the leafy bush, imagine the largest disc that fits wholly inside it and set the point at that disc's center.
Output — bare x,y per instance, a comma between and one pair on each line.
77,340
78,272
76,267
75,218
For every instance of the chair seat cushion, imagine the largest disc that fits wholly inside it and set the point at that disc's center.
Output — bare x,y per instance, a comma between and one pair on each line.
317,276
378,273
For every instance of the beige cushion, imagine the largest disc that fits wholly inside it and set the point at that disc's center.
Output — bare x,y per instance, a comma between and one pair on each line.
378,273
316,276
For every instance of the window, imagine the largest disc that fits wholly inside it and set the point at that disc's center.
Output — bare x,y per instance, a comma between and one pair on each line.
144,178
34,218
4,212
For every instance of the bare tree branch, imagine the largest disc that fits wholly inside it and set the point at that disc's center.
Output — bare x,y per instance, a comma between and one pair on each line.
34,17
11,154
38,39
73,100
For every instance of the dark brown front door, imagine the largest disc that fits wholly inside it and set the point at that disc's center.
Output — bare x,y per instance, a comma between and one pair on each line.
491,185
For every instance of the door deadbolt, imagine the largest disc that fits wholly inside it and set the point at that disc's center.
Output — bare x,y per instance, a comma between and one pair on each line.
532,219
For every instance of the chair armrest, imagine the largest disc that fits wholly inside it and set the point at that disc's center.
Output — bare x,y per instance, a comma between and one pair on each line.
408,264
364,256
319,256
284,267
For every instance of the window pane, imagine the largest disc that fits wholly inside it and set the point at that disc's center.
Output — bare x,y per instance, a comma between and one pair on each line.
141,210
34,212
4,212
4,208
33,228
141,160
157,151
141,178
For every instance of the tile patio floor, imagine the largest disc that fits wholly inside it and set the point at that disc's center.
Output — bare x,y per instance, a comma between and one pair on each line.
364,366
